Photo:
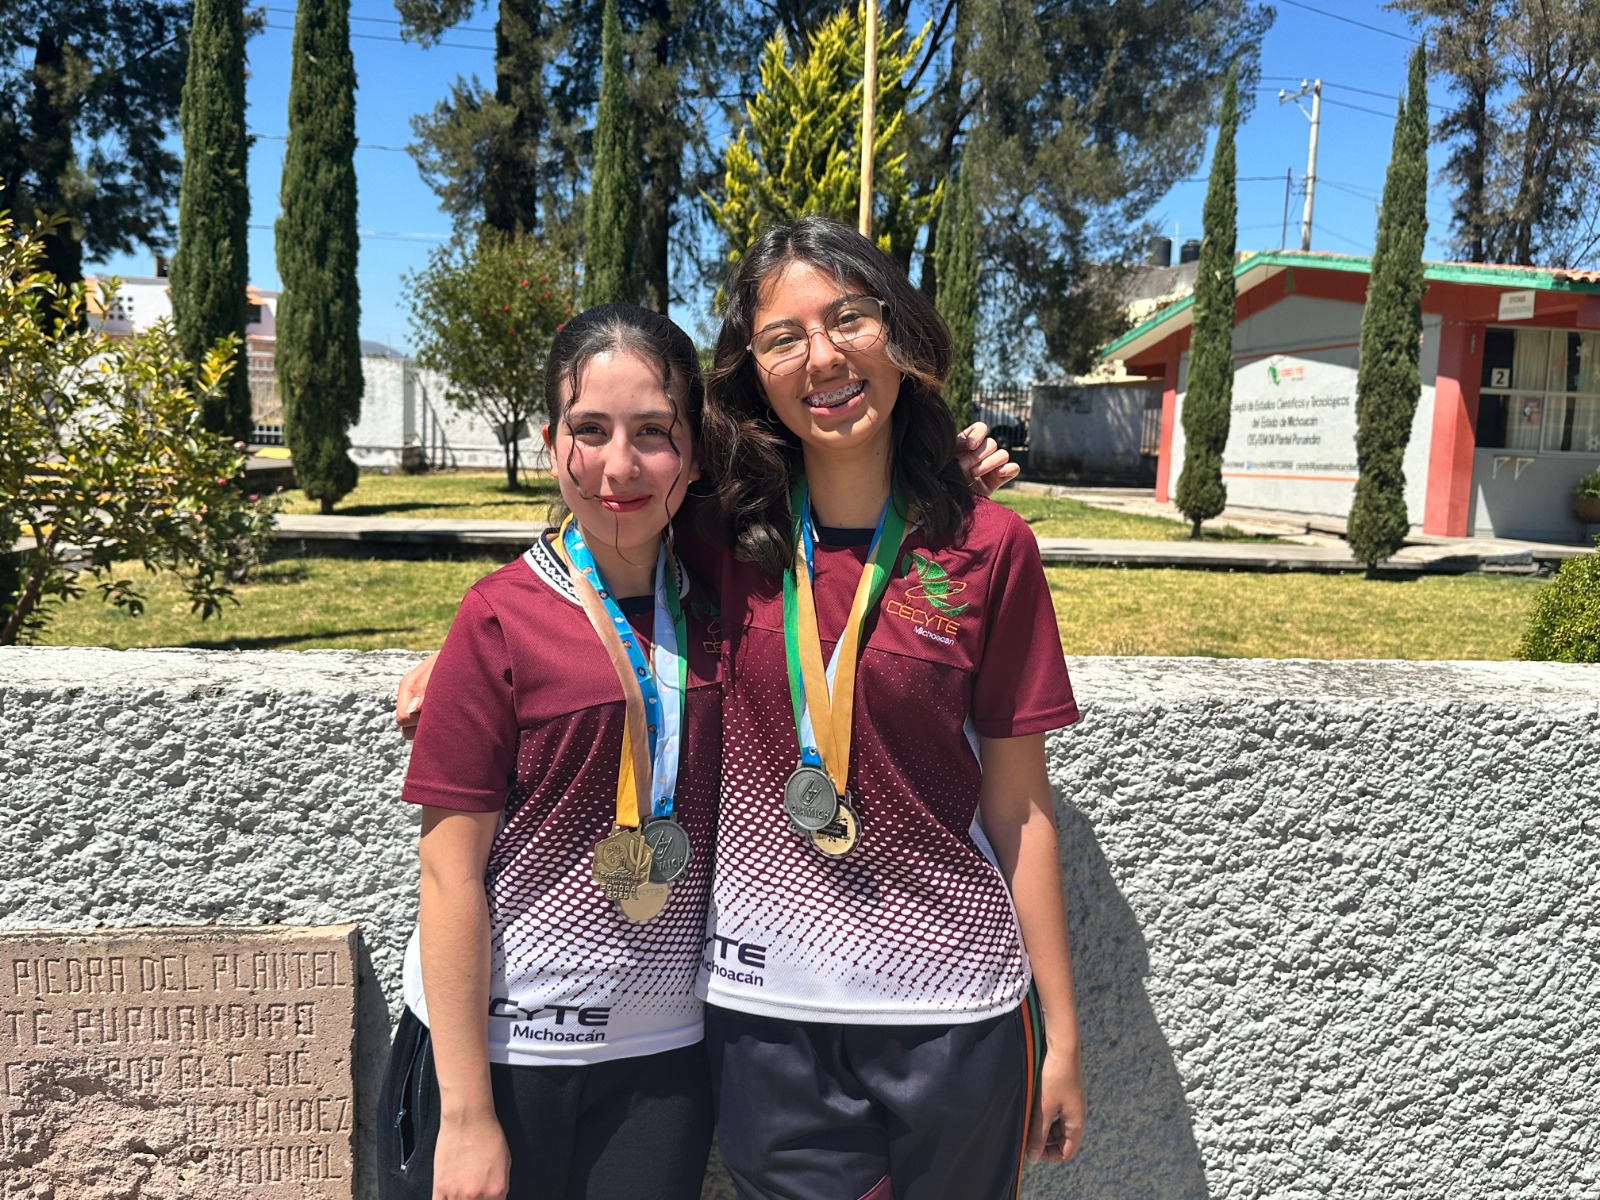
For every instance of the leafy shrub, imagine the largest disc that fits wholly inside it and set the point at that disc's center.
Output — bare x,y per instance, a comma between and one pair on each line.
1565,623
103,454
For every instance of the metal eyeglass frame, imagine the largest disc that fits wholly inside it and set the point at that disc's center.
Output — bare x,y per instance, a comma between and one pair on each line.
800,360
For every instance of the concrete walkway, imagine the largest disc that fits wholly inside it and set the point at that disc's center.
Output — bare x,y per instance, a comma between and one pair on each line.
1314,543
1316,552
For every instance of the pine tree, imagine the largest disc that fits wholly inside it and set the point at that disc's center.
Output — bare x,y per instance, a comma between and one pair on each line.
1207,405
956,272
211,270
89,94
1388,383
319,312
800,156
611,221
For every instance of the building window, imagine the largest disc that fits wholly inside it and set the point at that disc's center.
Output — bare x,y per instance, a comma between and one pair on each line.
252,314
1540,391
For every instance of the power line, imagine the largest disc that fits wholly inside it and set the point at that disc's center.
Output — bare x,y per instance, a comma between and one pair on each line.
381,234
1364,247
1358,108
380,37
1344,87
283,137
384,20
1239,179
1322,12
1361,193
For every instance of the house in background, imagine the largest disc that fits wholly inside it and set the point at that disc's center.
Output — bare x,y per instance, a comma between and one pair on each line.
1507,421
405,419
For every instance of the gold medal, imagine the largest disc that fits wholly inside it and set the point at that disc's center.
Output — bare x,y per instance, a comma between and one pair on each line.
646,903
621,863
841,835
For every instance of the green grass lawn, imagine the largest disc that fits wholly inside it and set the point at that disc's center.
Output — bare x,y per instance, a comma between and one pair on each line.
1051,517
327,603
483,495
1296,615
469,495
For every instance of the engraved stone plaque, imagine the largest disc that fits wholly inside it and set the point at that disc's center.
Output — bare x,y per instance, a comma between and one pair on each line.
179,1063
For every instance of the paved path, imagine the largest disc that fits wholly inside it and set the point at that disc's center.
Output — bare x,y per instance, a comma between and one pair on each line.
1324,554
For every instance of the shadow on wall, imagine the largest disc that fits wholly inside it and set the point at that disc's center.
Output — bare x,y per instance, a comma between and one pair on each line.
432,438
1140,1139
371,1057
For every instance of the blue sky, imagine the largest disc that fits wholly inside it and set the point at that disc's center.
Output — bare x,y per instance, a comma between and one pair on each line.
1360,58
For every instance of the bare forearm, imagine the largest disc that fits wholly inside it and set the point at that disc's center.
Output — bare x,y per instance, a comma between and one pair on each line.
1035,880
455,980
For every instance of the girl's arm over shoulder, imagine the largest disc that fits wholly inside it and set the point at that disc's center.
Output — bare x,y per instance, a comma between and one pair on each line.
1019,817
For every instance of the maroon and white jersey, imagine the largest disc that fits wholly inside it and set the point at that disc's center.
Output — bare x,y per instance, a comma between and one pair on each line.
917,925
525,716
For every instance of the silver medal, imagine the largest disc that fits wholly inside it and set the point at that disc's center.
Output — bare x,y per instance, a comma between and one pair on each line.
809,798
669,849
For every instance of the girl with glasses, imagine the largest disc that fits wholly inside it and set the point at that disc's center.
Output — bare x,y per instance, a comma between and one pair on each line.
886,879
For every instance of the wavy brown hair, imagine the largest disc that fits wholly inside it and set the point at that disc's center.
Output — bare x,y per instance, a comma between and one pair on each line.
757,458
626,328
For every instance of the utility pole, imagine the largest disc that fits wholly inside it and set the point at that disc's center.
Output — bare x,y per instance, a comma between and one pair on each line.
869,104
1314,87
1288,186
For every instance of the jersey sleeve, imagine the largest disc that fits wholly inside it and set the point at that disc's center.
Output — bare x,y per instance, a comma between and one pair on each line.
1021,686
465,753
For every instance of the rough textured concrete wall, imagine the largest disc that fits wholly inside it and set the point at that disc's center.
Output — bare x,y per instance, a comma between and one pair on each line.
1335,927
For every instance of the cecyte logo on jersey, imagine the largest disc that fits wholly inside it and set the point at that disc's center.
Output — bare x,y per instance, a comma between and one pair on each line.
726,956
935,616
559,1014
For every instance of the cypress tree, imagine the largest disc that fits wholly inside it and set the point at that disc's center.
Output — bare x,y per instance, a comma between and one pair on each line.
1388,383
1207,405
319,312
611,223
956,275
211,270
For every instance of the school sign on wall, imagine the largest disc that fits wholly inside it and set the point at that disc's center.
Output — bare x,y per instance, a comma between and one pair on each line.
1507,419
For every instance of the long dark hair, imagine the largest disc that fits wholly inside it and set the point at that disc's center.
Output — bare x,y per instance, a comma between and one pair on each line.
626,328
757,458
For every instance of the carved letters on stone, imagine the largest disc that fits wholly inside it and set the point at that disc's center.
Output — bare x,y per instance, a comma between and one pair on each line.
180,1062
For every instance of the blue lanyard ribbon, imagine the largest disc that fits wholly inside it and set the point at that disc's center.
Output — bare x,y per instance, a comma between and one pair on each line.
663,680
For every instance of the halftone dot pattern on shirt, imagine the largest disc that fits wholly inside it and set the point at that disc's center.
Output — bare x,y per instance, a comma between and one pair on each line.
917,924
526,711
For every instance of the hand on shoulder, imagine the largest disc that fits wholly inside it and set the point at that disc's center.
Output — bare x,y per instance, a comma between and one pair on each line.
408,698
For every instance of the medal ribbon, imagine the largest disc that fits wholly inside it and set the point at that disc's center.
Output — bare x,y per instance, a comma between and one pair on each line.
830,692
653,691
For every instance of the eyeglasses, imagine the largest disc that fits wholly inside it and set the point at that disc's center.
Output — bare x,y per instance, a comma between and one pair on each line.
854,323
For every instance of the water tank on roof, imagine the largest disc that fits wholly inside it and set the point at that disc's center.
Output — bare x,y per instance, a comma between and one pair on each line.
1189,251
1159,253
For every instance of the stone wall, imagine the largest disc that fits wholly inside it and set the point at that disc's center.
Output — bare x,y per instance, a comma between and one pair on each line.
1335,927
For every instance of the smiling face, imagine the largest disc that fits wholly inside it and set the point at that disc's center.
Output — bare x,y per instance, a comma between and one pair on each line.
623,457
840,403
